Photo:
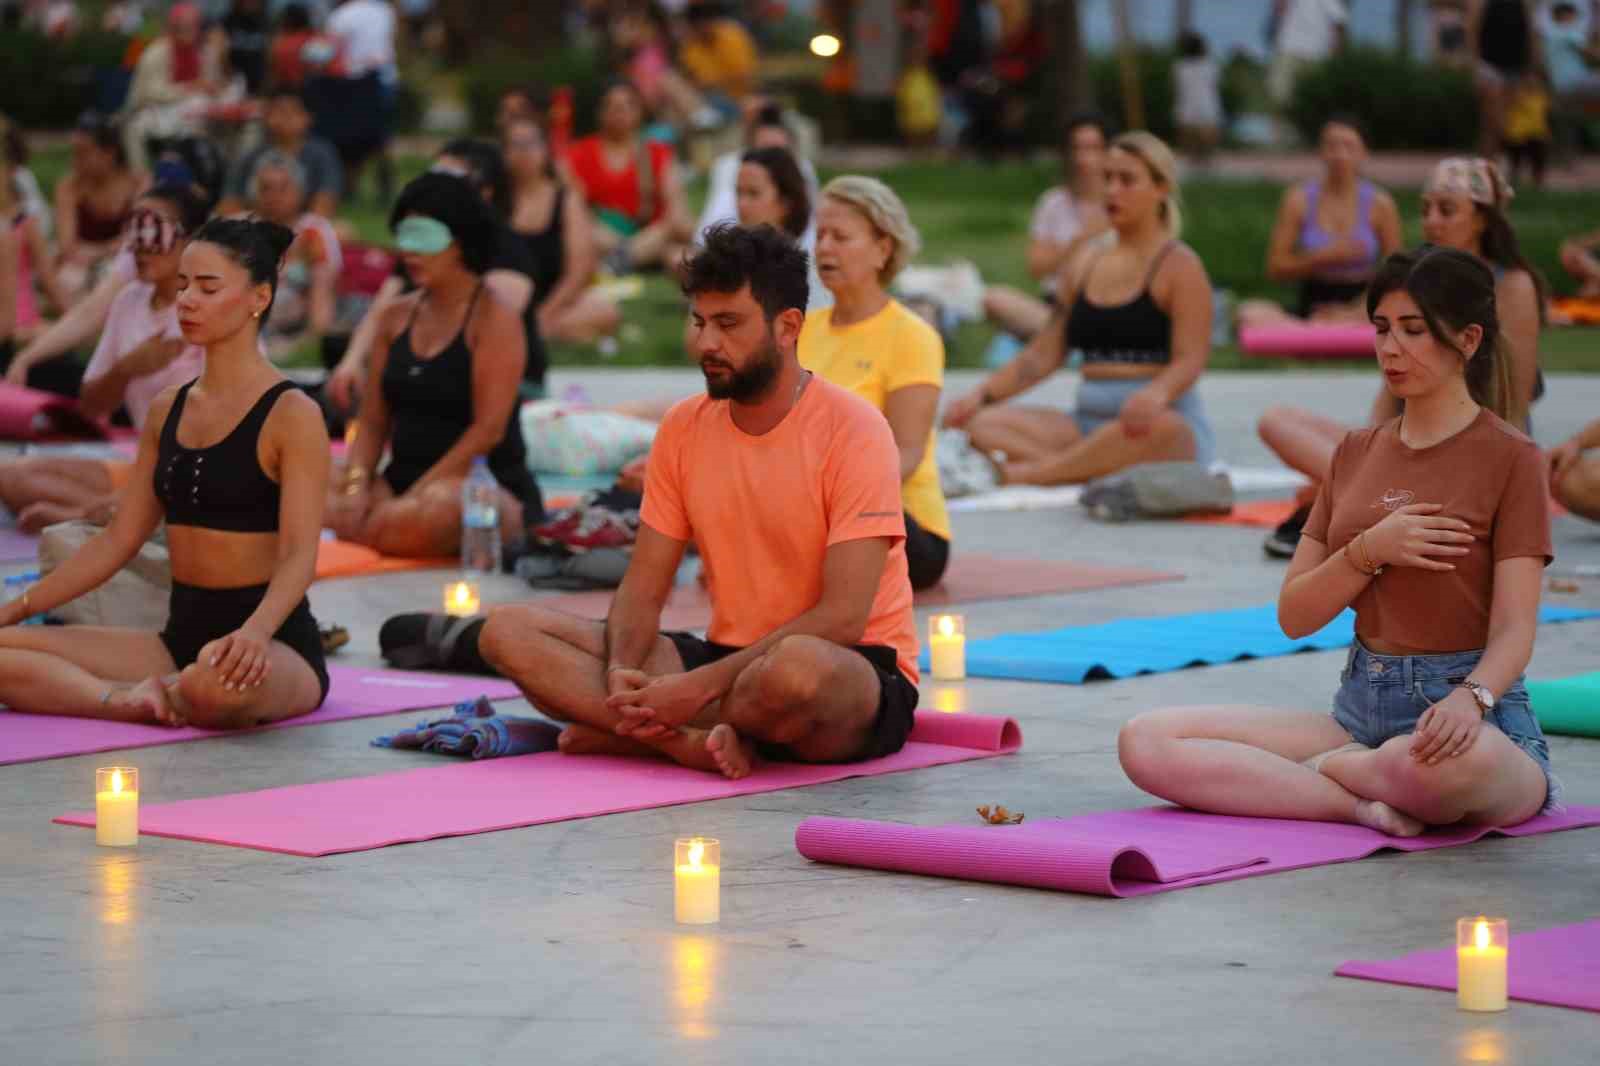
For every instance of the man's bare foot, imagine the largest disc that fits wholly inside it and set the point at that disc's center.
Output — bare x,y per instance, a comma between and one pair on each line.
147,702
733,756
1375,814
578,739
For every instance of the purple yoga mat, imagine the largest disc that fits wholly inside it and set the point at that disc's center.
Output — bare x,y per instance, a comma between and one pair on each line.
1559,967
17,546
480,797
354,693
1126,853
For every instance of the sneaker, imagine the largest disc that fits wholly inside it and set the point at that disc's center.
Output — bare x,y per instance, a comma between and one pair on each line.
1282,542
555,528
603,528
963,469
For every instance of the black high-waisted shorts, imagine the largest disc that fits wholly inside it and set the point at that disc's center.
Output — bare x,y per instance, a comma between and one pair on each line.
197,616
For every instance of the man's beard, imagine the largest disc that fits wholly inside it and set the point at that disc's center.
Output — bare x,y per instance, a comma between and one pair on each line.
743,385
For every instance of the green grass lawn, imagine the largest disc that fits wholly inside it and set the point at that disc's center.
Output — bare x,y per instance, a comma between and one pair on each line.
980,213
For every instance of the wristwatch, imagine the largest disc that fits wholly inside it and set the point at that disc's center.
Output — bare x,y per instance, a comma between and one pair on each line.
1484,697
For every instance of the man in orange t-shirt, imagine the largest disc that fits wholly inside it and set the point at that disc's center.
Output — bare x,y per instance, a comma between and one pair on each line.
791,488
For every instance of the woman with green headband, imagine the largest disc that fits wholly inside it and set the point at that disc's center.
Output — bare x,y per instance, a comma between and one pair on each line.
441,389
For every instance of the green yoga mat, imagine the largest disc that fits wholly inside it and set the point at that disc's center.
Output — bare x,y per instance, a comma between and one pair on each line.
1568,705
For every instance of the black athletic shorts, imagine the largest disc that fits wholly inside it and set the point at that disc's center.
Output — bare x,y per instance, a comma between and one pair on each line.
897,696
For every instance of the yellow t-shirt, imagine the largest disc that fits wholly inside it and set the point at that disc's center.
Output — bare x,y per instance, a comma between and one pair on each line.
726,63
889,351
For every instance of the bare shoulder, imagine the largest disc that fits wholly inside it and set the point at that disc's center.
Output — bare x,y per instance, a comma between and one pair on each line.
1180,266
1516,284
296,423
1293,202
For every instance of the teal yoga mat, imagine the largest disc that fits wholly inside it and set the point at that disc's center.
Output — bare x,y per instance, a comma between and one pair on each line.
1130,646
1568,705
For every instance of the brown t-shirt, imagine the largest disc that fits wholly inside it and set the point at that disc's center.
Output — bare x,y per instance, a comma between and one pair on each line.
1488,475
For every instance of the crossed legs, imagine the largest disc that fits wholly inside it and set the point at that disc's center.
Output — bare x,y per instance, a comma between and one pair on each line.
819,699
1044,446
1248,761
127,675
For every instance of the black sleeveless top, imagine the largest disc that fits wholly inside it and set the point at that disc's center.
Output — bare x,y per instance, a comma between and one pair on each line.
1136,333
548,248
430,407
221,487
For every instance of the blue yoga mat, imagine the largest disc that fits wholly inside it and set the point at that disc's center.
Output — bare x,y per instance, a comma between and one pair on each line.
1129,646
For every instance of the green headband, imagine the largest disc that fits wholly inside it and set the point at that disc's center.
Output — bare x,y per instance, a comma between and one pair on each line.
421,235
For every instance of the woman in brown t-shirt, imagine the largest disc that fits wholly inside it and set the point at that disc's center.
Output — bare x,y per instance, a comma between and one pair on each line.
1434,527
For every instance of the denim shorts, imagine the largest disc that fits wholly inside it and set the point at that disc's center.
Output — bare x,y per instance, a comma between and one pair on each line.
1100,401
1382,696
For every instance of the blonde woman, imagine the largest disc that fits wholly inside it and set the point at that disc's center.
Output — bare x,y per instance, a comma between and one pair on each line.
872,345
1137,303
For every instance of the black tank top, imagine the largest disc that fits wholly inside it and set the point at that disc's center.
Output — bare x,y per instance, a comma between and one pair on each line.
548,249
430,407
1504,39
221,487
1135,333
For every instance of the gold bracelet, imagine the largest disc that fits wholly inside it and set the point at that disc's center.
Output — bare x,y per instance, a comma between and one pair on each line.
1366,566
27,607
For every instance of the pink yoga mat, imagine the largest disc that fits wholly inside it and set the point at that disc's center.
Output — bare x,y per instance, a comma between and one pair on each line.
1309,340
970,579
354,693
480,797
1126,853
1559,967
29,414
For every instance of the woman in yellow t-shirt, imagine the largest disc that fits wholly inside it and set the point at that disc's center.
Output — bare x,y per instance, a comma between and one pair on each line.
869,343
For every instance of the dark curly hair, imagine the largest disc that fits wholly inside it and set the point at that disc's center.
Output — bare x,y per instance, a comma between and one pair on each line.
453,201
488,166
731,257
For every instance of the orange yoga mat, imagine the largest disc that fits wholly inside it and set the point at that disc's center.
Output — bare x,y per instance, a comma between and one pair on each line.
970,579
338,558
1267,514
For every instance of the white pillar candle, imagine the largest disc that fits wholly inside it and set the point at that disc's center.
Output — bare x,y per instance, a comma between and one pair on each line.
947,647
461,599
116,806
1481,948
697,880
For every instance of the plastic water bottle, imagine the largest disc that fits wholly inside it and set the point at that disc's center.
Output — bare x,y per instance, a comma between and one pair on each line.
480,521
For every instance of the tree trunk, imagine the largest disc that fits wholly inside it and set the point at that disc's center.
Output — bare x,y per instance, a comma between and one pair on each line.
1402,27
1128,66
1068,58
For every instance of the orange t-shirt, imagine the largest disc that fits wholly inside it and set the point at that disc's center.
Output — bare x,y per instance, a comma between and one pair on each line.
1489,475
765,510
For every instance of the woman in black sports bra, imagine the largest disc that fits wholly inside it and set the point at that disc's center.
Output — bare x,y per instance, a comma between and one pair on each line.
553,222
236,462
1138,306
441,390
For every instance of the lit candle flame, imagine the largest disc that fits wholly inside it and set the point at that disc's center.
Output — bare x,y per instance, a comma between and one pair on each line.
1480,934
460,593
116,780
947,626
825,45
696,851
351,432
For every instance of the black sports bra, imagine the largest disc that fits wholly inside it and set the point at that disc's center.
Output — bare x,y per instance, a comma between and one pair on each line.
221,487
1136,333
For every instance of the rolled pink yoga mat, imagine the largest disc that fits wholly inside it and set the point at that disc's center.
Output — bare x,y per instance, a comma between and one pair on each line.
29,414
353,693
460,799
1126,853
1306,340
1559,966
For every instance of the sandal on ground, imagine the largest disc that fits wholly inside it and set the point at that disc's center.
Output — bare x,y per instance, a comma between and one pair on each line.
333,638
429,642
